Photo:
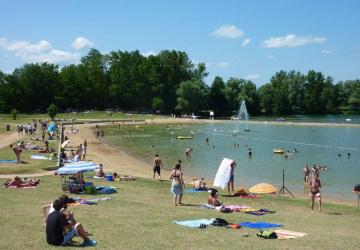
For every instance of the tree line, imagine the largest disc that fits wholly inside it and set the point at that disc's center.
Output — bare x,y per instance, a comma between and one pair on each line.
168,82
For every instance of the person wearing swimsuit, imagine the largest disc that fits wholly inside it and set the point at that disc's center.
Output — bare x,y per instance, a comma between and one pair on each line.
231,180
177,185
315,186
157,166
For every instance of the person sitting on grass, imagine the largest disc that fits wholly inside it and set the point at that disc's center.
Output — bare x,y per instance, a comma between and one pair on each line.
212,199
199,184
60,231
100,172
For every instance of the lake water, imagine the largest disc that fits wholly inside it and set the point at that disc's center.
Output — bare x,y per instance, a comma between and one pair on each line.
315,144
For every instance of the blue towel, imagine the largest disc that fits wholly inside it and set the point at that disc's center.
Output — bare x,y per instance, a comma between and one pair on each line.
259,225
7,161
193,190
195,223
106,190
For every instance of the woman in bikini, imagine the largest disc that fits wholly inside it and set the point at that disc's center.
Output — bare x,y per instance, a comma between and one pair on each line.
177,185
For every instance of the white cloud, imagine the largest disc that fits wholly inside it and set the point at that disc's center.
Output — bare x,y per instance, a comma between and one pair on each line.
246,42
223,64
252,77
81,42
149,53
38,52
292,40
271,56
325,51
53,56
228,31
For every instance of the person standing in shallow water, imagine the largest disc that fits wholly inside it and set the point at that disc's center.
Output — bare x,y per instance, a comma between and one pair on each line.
157,166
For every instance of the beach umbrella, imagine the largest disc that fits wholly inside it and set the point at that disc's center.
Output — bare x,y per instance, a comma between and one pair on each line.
263,188
77,167
52,127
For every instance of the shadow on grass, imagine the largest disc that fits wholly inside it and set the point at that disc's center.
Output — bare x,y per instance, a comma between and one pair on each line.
188,205
228,195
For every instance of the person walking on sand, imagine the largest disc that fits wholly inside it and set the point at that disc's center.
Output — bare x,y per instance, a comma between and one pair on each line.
83,150
315,186
232,178
97,133
157,166
177,185
17,152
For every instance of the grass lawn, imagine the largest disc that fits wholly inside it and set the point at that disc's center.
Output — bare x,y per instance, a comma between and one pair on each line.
29,165
140,216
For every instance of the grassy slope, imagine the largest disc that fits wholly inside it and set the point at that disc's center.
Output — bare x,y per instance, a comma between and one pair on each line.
141,213
31,166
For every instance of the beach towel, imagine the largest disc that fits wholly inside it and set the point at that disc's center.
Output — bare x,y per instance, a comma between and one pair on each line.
195,223
206,206
106,190
99,199
39,157
7,161
261,211
259,225
285,234
193,190
234,208
223,174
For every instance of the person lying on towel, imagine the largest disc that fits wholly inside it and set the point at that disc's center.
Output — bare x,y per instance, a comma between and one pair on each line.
212,199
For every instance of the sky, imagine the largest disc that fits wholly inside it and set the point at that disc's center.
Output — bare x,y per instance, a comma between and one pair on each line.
242,39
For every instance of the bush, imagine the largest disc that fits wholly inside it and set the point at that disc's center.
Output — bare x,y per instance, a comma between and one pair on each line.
52,111
14,114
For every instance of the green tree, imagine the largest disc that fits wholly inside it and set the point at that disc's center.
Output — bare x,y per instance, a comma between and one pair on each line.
191,96
265,94
14,114
217,99
296,91
249,95
314,86
232,92
280,86
52,111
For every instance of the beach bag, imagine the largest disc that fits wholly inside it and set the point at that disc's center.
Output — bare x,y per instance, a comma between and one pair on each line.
267,234
218,222
74,189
